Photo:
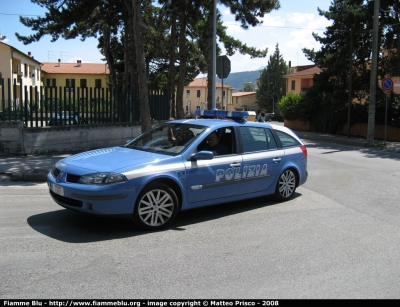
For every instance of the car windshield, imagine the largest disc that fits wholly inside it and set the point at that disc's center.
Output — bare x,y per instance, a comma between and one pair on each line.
168,138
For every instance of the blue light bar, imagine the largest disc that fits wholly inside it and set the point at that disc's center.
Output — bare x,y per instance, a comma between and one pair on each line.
238,115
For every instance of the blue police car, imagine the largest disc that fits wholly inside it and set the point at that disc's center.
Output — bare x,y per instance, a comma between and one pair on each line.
217,157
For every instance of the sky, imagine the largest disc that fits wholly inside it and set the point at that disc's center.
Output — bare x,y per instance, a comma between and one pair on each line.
290,27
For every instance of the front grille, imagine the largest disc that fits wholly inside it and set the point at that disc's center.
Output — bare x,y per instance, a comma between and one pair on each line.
66,200
69,178
56,171
72,178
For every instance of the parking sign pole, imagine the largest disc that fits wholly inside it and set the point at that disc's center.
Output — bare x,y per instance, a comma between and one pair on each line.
387,85
384,142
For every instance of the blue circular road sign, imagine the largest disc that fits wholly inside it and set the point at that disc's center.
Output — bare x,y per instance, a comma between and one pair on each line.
387,84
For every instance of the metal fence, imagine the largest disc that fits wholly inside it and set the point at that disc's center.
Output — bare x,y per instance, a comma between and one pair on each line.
46,105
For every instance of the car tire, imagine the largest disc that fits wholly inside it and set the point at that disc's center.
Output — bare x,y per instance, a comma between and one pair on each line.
156,207
286,185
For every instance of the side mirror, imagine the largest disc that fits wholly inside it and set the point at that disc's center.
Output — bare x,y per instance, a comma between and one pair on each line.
202,155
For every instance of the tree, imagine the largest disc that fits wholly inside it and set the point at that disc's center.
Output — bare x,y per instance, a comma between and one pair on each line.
248,87
345,59
272,84
247,12
183,28
141,66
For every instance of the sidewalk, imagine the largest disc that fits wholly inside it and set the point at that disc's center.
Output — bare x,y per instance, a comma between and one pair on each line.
35,168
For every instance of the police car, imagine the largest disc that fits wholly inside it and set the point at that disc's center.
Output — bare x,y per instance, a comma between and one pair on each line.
172,168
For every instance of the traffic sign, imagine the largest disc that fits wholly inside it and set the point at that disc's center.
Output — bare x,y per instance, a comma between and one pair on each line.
387,84
223,66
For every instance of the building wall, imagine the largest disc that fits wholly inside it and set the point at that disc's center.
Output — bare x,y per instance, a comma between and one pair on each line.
22,68
248,101
297,85
61,79
5,63
192,100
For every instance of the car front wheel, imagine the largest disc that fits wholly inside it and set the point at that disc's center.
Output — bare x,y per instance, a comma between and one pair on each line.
156,207
286,185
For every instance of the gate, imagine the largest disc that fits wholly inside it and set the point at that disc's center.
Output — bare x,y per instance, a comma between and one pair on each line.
47,105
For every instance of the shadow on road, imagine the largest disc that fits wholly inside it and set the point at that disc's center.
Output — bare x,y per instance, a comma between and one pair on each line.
73,227
368,152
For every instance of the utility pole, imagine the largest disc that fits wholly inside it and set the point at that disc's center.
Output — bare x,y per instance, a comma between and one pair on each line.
374,76
350,85
273,98
214,61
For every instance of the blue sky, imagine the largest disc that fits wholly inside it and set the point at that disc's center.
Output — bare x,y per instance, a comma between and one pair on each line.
291,27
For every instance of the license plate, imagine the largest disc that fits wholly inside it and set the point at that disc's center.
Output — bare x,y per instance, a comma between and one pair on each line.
57,189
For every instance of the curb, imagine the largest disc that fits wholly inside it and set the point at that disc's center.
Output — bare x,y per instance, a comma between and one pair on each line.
31,175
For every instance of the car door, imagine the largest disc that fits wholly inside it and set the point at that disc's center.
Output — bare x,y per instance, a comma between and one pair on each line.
216,178
261,159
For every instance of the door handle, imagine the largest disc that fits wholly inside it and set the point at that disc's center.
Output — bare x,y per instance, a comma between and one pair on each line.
235,164
276,160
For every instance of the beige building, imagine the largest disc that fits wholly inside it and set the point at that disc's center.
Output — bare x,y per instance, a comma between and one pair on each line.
195,96
74,75
300,78
244,101
22,70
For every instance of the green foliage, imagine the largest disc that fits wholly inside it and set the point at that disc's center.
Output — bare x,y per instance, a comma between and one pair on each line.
290,106
248,87
272,84
345,52
324,104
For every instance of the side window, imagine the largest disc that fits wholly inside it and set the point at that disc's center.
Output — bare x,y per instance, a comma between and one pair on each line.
253,139
270,140
286,139
227,138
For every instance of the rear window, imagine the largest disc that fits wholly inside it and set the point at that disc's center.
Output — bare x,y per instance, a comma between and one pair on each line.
286,139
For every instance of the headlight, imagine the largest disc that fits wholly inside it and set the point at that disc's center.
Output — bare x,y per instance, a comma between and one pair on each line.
102,178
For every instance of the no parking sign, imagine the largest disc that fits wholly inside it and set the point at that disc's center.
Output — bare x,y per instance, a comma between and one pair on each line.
387,84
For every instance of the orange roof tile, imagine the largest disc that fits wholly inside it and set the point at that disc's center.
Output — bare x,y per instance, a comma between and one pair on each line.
74,68
307,72
202,82
237,94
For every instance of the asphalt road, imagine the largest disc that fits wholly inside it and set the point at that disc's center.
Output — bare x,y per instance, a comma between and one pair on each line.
338,238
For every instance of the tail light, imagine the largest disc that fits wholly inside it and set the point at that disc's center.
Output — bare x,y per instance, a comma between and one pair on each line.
304,149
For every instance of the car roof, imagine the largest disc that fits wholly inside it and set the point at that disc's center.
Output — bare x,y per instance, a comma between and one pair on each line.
215,123
219,123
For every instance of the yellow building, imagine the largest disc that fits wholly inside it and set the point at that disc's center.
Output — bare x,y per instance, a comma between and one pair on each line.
244,101
300,78
195,96
74,75
21,67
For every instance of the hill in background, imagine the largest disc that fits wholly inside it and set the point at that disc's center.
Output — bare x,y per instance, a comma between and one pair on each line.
238,79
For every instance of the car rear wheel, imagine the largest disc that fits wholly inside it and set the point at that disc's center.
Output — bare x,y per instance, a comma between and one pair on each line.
156,207
286,185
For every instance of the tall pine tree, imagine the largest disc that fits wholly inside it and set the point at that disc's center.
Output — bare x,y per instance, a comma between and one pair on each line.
272,84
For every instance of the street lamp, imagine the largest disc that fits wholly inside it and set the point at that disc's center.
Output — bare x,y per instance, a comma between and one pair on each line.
273,100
